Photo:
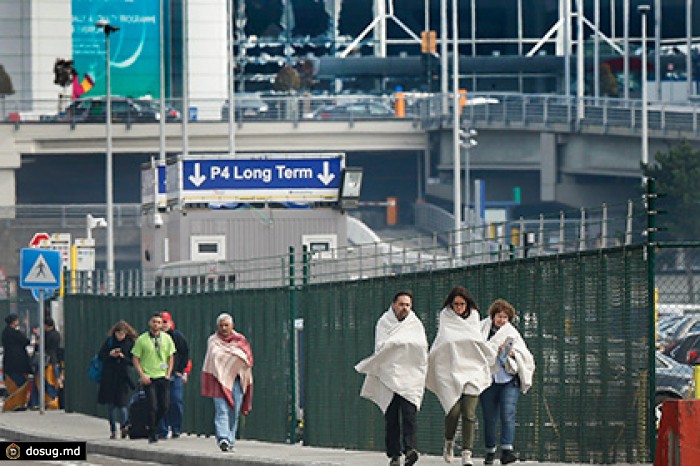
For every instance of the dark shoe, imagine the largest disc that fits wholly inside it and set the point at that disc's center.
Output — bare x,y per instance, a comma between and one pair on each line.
411,458
175,435
153,438
395,461
489,458
508,456
125,432
113,436
224,445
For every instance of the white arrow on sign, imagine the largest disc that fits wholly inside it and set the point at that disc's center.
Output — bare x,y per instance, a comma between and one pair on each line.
326,177
197,179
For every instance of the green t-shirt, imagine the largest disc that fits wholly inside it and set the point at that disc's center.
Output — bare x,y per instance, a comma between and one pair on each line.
153,353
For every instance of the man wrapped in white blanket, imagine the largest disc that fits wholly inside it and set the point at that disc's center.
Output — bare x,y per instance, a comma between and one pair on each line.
395,375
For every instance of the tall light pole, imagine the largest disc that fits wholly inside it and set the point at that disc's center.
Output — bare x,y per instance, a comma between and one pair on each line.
109,29
457,191
643,10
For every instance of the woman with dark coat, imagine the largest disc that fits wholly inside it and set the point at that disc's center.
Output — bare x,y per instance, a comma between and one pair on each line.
116,382
16,365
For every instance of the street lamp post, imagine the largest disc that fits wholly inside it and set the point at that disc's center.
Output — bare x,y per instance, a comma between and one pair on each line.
643,10
108,29
457,191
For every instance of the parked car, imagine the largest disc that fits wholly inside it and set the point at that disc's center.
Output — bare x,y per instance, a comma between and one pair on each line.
247,104
686,350
673,381
356,110
124,110
670,332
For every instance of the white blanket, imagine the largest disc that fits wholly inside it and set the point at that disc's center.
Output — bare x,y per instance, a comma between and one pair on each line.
460,359
399,362
523,360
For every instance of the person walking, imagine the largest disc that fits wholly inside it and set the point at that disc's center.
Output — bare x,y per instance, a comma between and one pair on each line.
116,382
395,376
459,368
172,421
153,359
16,364
53,376
512,374
227,378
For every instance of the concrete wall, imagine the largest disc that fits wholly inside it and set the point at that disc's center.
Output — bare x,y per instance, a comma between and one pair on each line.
33,33
250,233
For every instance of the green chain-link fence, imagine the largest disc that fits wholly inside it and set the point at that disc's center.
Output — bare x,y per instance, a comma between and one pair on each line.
585,316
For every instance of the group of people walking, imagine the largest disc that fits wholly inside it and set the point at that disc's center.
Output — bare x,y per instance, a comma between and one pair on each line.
471,361
159,359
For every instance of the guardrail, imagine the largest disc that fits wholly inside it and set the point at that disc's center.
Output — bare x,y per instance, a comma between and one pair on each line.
433,110
559,233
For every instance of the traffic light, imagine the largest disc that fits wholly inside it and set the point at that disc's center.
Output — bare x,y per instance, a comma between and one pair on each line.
63,72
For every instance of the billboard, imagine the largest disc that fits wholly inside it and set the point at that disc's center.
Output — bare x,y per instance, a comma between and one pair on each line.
134,49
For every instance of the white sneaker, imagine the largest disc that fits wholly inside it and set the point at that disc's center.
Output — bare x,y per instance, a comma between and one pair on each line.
467,458
447,452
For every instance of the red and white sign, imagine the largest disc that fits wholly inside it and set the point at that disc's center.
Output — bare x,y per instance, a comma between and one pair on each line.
38,239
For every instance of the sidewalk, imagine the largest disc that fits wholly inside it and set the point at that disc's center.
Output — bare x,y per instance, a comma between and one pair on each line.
188,449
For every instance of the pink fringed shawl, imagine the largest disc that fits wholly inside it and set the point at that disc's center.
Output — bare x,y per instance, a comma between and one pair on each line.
226,359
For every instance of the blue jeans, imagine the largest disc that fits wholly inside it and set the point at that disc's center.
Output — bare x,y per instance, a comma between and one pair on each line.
500,400
118,414
173,418
225,417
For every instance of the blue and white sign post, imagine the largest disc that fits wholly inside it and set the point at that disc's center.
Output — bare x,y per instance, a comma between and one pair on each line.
40,271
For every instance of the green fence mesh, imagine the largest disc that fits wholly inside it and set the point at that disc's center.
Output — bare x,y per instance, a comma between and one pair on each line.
585,317
261,315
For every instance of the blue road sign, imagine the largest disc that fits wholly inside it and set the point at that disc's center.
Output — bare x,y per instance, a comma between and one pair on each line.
261,174
280,179
39,268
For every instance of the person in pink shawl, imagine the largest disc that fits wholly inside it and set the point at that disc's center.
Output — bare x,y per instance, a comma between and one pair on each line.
227,377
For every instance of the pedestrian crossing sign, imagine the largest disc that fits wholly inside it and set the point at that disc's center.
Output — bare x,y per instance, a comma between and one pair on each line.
40,268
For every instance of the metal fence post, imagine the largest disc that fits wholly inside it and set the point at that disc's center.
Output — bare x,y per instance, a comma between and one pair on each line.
292,356
651,258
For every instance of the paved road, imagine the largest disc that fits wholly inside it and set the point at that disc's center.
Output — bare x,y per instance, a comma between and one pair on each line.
188,450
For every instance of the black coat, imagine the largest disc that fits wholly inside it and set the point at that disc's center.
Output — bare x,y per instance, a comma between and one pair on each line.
116,383
15,357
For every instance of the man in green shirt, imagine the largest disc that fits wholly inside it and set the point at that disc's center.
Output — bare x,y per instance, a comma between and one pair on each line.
153,359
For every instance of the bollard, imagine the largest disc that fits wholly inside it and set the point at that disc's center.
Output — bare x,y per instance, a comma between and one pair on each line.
400,105
679,434
392,211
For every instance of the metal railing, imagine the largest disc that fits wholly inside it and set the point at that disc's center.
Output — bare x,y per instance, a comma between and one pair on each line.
433,110
559,233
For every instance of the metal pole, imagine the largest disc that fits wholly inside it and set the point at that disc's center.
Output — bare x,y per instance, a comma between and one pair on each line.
42,354
580,71
456,175
231,80
657,48
651,288
185,84
292,353
567,51
688,45
163,113
626,42
644,9
443,56
596,48
108,171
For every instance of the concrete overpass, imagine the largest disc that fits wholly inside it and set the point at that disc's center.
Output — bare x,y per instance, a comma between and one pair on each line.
539,143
